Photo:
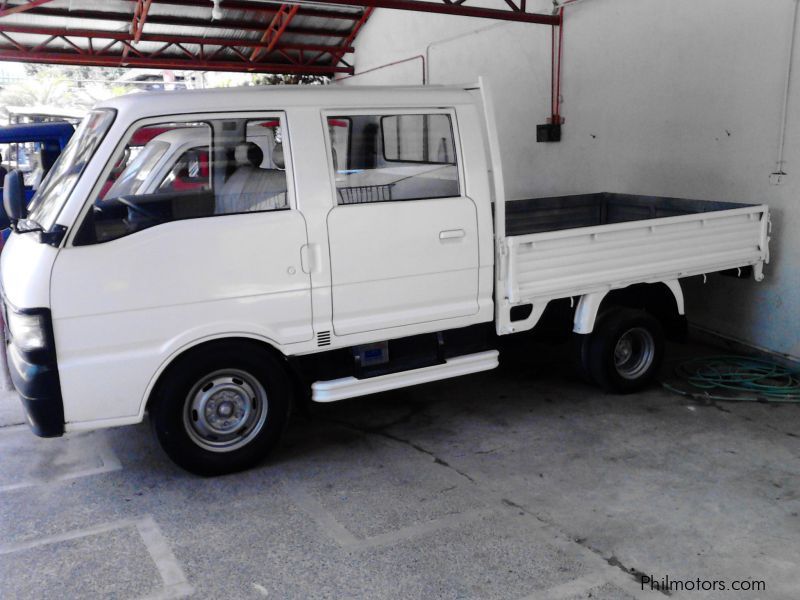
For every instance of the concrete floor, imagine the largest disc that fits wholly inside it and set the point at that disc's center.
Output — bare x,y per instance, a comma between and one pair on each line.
519,483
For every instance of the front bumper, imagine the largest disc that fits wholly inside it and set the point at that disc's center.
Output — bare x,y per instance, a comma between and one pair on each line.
40,392
35,375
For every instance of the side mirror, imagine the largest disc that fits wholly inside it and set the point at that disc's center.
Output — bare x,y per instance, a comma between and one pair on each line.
14,197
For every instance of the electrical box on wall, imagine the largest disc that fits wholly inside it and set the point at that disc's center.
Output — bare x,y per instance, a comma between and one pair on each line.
777,178
548,132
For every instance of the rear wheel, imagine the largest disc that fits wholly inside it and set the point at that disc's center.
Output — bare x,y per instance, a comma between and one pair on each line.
624,352
222,408
579,353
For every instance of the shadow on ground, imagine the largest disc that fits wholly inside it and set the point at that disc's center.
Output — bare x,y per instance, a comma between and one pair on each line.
521,482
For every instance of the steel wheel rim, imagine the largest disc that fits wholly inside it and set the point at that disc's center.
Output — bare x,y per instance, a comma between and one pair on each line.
634,353
225,410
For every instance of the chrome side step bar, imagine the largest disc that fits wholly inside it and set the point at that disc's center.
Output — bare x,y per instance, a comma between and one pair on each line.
350,387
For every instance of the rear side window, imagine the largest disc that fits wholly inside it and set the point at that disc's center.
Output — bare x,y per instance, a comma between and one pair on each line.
426,139
381,158
181,170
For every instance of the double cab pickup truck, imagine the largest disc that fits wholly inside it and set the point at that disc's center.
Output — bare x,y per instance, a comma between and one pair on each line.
317,244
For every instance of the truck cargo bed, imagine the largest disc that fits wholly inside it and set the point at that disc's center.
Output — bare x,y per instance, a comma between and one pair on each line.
570,246
555,213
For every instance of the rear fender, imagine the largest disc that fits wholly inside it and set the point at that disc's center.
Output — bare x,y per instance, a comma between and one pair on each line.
589,306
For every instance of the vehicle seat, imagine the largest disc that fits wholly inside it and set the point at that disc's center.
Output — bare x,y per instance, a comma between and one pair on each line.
3,172
251,188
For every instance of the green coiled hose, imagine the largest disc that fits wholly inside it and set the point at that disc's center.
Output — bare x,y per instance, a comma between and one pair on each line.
750,379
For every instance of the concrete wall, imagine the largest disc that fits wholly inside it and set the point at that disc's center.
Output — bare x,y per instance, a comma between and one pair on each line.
679,98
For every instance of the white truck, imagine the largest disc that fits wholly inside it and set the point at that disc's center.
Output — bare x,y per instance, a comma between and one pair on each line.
334,242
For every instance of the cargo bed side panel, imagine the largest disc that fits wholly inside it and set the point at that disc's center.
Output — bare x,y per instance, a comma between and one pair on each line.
577,261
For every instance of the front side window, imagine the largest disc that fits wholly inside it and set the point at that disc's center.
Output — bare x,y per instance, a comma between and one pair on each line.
138,170
181,170
379,158
191,170
56,187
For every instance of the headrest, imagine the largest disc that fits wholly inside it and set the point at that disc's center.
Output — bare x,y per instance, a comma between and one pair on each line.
277,156
248,154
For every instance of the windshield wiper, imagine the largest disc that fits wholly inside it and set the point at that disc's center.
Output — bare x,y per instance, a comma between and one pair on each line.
28,226
52,237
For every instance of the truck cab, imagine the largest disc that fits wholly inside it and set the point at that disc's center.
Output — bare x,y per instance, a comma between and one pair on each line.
271,246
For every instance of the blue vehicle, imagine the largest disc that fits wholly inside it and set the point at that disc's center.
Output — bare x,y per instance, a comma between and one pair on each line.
33,149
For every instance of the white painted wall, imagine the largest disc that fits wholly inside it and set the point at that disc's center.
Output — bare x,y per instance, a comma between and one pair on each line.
679,98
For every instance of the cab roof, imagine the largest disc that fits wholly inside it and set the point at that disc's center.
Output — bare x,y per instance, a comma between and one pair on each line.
266,98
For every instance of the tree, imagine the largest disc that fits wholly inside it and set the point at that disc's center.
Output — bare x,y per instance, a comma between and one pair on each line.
49,91
80,75
289,79
52,88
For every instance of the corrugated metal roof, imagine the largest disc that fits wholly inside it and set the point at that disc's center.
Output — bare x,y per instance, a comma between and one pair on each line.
249,35
299,36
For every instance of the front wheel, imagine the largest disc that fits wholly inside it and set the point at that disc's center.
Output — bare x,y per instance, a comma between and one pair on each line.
222,408
624,352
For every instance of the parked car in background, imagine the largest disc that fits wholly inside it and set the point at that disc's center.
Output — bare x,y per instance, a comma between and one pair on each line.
32,148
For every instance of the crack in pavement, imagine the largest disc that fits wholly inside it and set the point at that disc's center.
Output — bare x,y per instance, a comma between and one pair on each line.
379,432
418,448
612,560
638,576
530,513
14,426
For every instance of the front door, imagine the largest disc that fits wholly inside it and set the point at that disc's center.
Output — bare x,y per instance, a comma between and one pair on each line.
403,236
157,267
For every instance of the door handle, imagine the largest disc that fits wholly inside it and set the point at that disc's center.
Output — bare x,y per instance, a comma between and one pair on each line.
305,259
309,258
451,234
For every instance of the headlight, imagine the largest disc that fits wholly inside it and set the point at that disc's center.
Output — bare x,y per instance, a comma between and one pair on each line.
27,331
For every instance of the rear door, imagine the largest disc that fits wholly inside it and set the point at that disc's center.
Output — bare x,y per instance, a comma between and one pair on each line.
403,235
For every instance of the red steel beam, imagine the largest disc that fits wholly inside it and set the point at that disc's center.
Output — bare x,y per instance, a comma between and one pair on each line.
248,25
140,18
351,38
450,7
12,10
275,29
258,7
195,64
95,34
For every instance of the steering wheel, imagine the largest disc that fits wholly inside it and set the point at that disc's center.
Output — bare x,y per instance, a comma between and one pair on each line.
138,209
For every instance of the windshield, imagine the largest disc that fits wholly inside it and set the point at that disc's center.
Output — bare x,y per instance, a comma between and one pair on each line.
57,186
138,170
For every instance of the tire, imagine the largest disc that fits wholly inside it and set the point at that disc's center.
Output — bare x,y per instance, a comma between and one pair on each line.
222,408
579,353
625,350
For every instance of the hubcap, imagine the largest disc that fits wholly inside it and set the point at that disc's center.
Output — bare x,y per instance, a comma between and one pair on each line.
634,353
225,410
